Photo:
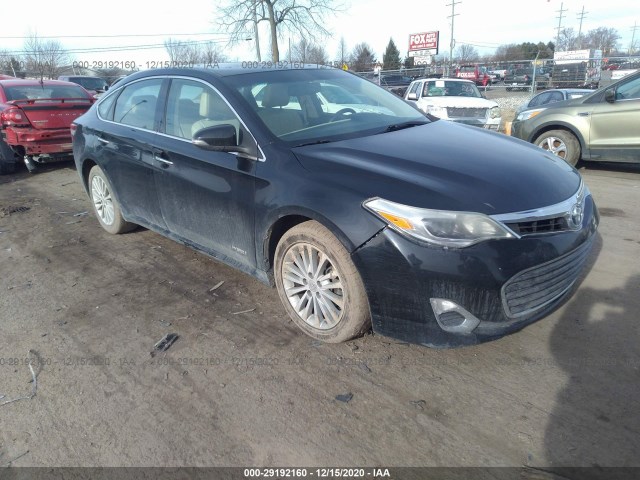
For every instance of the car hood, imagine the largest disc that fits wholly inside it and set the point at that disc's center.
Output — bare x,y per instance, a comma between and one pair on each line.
460,102
446,166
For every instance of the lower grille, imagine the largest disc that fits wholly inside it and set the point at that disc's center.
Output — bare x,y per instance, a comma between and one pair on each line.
466,112
532,289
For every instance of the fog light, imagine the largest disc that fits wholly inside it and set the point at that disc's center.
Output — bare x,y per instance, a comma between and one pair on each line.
452,317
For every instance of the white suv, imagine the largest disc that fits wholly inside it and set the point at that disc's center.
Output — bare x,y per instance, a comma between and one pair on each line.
454,99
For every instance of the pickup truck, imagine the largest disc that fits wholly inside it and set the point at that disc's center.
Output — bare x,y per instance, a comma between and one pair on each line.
35,120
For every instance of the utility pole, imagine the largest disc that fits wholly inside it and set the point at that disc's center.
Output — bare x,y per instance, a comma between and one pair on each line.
581,16
561,12
632,46
452,43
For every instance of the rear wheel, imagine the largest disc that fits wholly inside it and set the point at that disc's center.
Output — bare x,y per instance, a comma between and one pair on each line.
562,144
319,285
7,159
105,204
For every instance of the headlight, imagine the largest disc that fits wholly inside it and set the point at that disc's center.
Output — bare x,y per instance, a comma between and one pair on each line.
436,111
526,115
438,227
494,112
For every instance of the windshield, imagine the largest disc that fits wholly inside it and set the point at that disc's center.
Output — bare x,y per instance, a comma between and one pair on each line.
34,92
444,88
309,105
90,83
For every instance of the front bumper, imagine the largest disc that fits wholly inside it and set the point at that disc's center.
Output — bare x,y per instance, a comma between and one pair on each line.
472,277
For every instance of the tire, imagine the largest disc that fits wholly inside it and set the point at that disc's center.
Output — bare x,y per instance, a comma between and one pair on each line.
105,205
7,159
562,144
308,259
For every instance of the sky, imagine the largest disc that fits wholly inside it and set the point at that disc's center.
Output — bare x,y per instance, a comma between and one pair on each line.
142,29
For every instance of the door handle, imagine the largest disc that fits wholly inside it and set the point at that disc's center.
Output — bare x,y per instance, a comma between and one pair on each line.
164,163
583,114
103,141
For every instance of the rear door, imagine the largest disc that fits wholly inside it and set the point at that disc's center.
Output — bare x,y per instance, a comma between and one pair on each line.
206,197
125,146
614,133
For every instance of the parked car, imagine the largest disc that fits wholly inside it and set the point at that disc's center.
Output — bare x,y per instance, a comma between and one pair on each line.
476,73
35,118
432,232
94,85
456,100
602,125
395,83
522,78
552,96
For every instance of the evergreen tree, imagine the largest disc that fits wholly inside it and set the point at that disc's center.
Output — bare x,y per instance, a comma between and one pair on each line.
391,57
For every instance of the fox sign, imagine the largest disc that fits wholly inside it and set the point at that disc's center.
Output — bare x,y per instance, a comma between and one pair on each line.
424,41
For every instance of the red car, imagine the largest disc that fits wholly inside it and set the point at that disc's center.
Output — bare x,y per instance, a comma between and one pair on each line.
35,119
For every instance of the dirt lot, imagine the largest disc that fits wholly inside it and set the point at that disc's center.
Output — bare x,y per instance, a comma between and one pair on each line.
249,389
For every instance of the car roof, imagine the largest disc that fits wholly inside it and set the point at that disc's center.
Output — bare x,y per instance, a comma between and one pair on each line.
17,82
230,69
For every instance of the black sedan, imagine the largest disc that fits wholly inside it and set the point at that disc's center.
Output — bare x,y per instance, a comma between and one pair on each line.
368,215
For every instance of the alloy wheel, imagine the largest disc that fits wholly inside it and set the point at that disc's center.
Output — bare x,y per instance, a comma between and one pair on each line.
102,200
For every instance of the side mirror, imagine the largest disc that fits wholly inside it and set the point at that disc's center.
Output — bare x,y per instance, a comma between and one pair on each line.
222,138
106,87
412,96
219,137
610,95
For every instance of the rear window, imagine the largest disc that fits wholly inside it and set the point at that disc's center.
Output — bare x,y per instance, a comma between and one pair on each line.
36,92
90,83
468,69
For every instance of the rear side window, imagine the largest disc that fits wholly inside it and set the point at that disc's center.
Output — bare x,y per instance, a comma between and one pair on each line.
415,87
105,108
136,105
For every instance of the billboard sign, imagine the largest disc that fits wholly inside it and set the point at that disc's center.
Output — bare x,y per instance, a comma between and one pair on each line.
424,41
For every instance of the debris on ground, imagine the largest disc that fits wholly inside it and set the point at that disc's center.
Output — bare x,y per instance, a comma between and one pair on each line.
345,398
34,387
216,286
81,214
165,324
244,311
364,367
419,404
164,343
11,461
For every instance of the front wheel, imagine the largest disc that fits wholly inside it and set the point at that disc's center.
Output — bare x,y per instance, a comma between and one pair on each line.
562,144
319,285
105,204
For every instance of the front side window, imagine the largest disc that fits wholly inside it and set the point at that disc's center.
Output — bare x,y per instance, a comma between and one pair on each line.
629,90
136,105
192,106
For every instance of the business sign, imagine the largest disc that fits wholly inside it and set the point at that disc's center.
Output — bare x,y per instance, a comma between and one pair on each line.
424,41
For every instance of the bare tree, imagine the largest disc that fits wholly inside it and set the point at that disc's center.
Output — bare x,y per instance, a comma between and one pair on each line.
602,38
45,58
567,40
317,54
466,53
305,18
300,51
211,54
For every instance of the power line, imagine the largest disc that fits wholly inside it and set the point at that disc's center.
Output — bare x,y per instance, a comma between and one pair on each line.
118,35
122,48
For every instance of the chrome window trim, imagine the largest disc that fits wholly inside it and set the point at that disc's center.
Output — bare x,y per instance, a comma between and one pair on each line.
562,209
262,158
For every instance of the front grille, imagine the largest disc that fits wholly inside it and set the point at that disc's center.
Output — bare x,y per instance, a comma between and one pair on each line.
532,289
556,224
466,112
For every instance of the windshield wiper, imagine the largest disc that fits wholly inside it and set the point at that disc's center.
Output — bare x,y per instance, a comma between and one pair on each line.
400,126
317,142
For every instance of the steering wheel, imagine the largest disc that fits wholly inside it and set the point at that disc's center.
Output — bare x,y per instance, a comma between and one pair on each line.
341,112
